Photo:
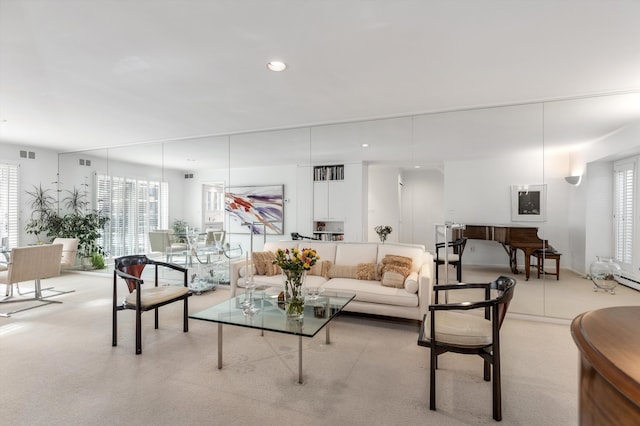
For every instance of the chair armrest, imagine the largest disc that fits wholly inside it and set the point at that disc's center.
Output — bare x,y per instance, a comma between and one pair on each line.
128,276
461,306
168,265
460,286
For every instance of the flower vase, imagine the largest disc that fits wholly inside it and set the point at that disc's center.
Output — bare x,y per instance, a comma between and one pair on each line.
293,293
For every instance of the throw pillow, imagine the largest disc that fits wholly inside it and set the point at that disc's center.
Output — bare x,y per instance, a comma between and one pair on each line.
316,269
342,271
366,271
263,263
244,271
391,259
392,279
411,283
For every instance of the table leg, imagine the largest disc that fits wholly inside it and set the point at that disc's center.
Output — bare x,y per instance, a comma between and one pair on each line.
219,345
328,338
300,359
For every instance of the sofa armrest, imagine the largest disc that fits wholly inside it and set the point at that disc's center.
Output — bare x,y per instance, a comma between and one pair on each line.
425,284
234,274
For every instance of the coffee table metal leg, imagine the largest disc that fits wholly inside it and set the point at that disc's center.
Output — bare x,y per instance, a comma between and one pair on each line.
328,338
219,345
300,359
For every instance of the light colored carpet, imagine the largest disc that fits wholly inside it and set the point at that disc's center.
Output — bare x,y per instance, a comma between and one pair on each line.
59,368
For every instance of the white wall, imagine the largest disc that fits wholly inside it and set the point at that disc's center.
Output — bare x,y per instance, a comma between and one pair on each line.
599,211
384,202
422,206
41,170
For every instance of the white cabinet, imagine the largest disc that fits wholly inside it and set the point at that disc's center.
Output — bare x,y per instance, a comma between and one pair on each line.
338,202
329,199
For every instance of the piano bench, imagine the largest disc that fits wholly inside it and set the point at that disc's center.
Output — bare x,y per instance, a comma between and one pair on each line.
541,256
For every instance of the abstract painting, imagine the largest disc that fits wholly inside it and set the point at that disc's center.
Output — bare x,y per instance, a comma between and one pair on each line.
256,209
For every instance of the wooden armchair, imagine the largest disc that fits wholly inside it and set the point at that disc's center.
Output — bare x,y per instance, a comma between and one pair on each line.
467,333
130,269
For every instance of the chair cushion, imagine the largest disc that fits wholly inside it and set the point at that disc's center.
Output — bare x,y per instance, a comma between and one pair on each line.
155,295
450,257
460,329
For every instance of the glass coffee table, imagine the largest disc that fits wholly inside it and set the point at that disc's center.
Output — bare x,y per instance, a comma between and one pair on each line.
270,316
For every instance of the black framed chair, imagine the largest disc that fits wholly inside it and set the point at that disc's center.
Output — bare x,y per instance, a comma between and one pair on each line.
468,333
453,256
139,299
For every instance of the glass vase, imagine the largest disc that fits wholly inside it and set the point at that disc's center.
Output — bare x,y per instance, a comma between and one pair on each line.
603,272
293,281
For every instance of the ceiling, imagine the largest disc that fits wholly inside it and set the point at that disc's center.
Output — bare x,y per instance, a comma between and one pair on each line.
78,75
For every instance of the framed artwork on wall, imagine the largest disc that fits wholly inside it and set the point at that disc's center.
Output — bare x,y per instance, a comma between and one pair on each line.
528,203
255,209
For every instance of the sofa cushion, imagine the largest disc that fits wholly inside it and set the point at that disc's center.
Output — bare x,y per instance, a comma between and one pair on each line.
354,253
342,271
372,291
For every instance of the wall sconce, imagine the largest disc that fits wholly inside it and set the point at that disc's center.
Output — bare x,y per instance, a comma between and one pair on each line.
573,180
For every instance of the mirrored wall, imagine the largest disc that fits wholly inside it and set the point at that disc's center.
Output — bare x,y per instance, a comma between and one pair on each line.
411,173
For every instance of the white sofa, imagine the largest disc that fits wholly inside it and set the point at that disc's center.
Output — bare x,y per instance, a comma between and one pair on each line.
411,301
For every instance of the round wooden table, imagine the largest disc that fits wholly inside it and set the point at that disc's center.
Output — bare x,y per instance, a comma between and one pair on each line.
609,344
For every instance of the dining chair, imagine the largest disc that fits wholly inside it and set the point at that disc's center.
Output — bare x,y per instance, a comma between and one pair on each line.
453,256
139,299
458,330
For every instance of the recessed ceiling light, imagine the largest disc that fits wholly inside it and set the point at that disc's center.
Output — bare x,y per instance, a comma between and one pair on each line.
365,145
276,66
416,167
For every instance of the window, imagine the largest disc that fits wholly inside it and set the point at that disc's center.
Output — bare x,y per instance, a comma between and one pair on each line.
134,207
623,212
9,203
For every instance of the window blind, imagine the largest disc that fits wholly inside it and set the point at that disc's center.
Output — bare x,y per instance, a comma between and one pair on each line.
134,207
624,179
9,211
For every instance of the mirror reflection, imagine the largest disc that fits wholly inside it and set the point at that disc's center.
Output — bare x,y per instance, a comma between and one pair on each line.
411,173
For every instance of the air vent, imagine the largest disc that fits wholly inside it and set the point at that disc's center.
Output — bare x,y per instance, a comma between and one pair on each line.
28,154
188,175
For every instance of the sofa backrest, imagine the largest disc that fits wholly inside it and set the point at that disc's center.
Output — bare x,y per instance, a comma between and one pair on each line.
343,253
326,250
354,253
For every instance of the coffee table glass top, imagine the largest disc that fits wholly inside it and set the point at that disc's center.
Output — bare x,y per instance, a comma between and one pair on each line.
271,315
